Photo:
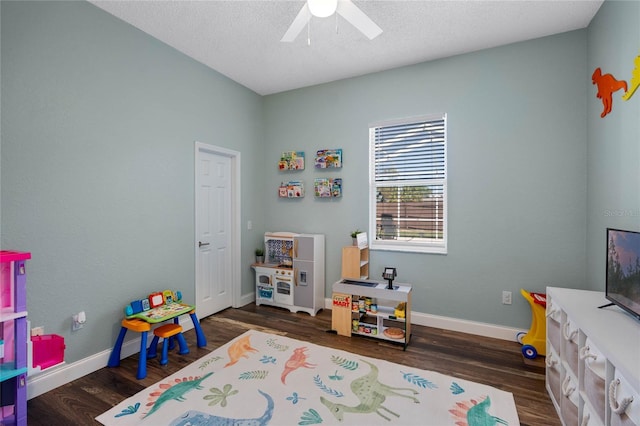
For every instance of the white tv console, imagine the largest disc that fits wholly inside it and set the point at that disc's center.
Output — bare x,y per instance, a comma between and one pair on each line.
593,360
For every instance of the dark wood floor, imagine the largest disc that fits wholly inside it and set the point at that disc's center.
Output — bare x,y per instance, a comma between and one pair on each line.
490,361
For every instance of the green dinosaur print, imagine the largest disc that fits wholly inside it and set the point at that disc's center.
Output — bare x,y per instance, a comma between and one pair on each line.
371,394
478,415
177,392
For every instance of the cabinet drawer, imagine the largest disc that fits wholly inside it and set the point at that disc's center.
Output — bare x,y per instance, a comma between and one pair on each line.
589,418
553,329
624,403
570,345
265,292
554,375
594,377
569,401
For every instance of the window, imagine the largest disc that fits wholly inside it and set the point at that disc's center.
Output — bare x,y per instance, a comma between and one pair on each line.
408,185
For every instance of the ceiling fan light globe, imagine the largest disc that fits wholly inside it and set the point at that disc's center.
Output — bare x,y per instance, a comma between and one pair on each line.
322,8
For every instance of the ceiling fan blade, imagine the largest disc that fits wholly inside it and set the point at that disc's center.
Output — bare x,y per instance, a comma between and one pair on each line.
358,19
298,24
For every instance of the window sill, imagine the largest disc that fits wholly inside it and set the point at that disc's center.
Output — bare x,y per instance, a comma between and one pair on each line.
408,248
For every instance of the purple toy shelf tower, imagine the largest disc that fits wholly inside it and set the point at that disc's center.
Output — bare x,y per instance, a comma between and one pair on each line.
13,338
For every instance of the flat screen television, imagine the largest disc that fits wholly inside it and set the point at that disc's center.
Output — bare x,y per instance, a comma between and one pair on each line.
623,270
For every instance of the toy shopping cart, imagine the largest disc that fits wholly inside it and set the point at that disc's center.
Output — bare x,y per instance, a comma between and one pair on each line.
534,342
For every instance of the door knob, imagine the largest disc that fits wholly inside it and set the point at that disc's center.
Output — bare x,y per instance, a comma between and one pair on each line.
201,244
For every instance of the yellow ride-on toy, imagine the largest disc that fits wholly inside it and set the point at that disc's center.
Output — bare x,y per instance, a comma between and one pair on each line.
534,342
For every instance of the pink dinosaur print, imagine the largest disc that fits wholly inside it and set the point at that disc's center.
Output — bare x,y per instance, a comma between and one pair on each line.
297,360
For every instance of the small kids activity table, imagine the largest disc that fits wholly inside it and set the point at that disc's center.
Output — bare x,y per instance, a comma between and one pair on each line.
142,321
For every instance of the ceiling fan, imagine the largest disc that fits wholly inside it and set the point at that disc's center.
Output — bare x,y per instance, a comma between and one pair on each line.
325,8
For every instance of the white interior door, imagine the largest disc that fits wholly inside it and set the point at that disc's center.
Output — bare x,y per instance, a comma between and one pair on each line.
217,245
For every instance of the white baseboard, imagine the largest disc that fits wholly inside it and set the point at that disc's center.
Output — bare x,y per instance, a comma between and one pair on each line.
464,326
59,375
246,299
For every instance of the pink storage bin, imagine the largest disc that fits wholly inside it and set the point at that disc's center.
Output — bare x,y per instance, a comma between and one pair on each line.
48,350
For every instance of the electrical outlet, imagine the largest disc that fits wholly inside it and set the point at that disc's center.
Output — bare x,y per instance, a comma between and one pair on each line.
75,326
506,297
78,321
37,331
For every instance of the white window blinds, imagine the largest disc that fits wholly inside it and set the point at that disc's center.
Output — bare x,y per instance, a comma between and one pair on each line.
408,193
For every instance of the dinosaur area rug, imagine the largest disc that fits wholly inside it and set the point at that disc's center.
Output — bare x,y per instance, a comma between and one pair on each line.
267,379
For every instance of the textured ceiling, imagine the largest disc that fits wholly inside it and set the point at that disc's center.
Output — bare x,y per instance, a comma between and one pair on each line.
241,39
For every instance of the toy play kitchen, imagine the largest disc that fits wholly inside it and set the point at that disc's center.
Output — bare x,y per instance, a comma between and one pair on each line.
292,275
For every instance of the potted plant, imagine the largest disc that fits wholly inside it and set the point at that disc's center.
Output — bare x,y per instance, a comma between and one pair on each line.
354,236
259,255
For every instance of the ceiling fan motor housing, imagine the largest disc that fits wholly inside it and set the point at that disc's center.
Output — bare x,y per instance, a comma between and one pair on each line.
322,8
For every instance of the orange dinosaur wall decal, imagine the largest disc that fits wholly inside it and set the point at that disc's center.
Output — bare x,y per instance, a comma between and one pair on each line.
607,84
635,80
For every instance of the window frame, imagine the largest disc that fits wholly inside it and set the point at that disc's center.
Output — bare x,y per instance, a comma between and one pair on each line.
433,247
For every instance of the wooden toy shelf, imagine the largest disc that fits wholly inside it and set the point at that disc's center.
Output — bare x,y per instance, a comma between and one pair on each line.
379,321
348,321
355,262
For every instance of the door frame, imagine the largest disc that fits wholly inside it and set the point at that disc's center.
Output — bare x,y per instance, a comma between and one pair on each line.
235,209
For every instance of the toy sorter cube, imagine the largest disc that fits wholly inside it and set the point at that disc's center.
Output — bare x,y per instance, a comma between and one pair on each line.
13,334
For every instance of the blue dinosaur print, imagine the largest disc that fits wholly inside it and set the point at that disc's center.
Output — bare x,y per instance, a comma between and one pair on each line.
198,418
177,392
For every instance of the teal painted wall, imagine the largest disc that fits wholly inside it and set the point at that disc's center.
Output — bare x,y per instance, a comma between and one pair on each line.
516,171
99,121
613,164
98,128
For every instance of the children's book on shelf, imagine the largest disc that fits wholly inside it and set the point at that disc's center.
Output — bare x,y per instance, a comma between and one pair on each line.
291,160
328,158
294,189
328,187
